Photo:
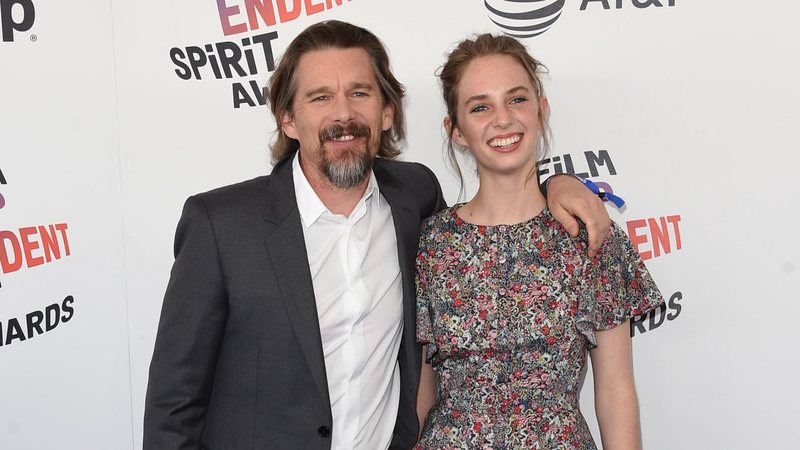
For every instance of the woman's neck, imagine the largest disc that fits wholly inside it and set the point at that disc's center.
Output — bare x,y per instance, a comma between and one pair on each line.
504,200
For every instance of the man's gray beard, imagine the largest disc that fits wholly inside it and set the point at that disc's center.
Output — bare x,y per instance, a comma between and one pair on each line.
347,172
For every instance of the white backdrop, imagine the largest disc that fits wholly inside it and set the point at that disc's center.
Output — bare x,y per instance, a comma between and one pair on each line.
67,387
694,103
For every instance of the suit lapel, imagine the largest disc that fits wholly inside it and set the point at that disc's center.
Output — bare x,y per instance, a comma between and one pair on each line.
285,245
406,218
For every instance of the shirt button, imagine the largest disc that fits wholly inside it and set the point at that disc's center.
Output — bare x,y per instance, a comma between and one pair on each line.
324,431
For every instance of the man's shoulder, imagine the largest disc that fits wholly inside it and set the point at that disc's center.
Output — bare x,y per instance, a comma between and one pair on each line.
403,167
411,176
242,189
414,180
235,200
256,188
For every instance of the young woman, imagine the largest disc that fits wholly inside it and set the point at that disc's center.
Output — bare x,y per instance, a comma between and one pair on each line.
508,303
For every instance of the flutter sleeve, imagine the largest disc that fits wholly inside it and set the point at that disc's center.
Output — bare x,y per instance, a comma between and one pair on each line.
424,307
616,287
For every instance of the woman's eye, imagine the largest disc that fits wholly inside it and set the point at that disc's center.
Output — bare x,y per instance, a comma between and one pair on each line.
478,108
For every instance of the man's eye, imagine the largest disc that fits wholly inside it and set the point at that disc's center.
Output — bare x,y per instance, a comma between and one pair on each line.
320,98
519,100
360,94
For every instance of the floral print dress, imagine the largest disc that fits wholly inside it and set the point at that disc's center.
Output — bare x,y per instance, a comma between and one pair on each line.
508,313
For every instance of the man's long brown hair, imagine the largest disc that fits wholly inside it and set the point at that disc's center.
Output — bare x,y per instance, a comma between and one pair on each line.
325,35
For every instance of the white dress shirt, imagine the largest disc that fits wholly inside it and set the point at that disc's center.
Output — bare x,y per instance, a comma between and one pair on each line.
358,290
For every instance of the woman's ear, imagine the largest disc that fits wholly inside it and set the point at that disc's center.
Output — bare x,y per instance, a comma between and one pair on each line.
454,132
544,107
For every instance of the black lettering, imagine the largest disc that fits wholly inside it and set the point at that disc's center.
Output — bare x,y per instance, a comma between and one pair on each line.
14,331
674,306
176,55
197,58
231,59
258,93
68,310
542,169
240,96
571,167
7,21
661,313
2,178
34,321
251,60
557,169
637,323
568,166
266,43
212,58
51,315
646,3
602,158
618,3
586,2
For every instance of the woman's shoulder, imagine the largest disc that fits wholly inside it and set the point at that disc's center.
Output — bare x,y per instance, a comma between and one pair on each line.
445,218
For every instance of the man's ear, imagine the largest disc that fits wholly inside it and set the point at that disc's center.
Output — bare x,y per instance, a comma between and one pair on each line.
287,124
453,131
388,117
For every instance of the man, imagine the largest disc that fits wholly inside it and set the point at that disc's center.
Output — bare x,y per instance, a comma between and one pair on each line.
288,321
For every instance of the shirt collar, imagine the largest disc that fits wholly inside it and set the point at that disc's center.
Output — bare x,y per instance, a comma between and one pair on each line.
308,202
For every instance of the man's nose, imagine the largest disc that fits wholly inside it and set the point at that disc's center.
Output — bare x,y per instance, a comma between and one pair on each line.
342,109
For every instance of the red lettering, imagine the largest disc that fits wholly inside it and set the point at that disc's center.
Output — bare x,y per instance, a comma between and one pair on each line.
313,8
264,10
16,248
29,246
6,262
660,236
638,239
225,13
62,227
674,221
287,14
49,243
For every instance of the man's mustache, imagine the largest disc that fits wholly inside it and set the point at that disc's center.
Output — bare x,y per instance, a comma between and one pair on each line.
337,130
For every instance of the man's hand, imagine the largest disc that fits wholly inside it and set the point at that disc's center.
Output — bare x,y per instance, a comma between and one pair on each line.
568,198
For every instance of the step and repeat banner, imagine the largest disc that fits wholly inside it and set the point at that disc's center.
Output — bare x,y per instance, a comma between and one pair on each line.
64,363
113,112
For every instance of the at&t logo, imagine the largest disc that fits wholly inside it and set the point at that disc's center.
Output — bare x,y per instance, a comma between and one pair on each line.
529,18
19,19
524,18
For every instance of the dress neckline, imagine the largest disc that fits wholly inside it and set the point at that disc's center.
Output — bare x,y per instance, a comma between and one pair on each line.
545,212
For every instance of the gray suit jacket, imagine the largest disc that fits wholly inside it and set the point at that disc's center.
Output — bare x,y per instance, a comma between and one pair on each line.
238,360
